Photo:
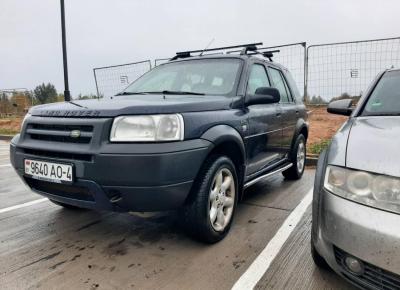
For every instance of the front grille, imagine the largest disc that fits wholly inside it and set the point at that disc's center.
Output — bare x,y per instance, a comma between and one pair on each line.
61,155
373,277
60,133
63,190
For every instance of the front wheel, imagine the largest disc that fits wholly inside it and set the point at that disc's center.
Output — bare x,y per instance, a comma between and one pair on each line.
298,159
208,214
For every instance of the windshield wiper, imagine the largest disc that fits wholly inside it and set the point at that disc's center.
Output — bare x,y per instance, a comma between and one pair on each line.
167,92
131,93
77,104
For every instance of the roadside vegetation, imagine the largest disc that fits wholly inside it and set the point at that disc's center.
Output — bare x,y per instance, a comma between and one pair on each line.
317,148
15,104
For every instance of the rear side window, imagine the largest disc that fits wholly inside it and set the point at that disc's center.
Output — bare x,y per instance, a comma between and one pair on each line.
258,78
280,84
295,90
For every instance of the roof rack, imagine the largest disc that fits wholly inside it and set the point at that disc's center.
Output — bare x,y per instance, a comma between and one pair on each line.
268,54
246,48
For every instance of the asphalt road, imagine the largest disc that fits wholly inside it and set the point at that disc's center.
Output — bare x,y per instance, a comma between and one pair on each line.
47,247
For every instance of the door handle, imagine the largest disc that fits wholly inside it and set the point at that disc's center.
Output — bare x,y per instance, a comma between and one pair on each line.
278,114
297,112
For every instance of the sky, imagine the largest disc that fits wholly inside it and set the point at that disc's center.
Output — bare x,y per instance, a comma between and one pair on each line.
104,32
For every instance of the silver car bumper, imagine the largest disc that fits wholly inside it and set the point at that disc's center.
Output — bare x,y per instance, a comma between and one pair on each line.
369,234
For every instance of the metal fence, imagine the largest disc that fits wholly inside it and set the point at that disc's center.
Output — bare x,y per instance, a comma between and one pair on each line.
293,57
111,80
346,68
15,101
322,71
159,61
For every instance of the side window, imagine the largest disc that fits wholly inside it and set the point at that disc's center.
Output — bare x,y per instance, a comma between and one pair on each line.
295,90
258,78
280,84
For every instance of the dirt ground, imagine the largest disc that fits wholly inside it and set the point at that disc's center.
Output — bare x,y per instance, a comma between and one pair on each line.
10,125
322,124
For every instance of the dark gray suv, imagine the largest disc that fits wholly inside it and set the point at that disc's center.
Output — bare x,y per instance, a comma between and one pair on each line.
190,134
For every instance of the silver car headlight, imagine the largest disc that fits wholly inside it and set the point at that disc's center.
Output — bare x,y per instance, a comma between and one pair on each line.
147,128
376,190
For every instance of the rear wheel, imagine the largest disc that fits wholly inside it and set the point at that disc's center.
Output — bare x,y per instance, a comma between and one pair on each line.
67,206
298,159
208,214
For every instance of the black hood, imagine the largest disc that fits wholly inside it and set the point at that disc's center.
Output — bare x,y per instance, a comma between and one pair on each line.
374,145
134,105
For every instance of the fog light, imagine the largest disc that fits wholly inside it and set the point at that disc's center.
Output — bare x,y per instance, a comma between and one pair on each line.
354,265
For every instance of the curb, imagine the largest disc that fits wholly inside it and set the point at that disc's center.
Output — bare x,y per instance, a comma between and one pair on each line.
6,137
311,161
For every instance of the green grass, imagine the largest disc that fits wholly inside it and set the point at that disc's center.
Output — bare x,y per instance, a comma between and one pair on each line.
317,148
4,131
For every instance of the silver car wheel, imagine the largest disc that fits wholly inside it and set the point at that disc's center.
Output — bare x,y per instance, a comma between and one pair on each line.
222,199
301,156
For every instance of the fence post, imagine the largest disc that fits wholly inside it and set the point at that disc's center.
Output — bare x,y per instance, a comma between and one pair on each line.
97,87
306,60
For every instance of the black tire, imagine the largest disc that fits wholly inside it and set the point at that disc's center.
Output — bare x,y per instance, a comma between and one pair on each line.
196,214
294,172
67,206
319,261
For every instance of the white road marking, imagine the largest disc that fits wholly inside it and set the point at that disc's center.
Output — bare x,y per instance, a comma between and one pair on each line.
260,265
22,205
5,165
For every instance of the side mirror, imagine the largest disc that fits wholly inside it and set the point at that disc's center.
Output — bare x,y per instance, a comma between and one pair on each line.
341,107
264,95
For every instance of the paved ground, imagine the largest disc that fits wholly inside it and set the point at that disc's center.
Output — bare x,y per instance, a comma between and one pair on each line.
47,247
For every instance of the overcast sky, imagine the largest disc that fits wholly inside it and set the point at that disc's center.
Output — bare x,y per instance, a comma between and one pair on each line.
107,32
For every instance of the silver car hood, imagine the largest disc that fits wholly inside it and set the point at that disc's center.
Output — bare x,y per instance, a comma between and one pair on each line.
374,145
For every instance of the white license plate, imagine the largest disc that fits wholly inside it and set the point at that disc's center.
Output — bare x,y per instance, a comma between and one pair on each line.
48,171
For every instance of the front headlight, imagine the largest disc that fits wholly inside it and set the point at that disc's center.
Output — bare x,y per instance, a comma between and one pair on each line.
147,128
376,190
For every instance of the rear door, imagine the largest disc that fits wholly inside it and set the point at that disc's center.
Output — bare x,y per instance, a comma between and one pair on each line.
265,133
290,111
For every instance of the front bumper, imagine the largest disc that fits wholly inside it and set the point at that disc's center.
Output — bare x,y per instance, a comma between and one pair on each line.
118,177
369,234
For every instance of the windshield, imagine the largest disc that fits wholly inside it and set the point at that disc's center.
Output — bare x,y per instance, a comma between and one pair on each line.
206,76
385,99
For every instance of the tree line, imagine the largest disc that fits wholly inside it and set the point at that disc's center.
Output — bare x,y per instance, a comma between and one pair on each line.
318,100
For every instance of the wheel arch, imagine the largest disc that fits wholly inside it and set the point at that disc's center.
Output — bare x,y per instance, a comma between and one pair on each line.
227,141
301,128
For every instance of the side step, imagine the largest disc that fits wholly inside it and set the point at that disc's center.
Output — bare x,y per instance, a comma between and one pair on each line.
279,170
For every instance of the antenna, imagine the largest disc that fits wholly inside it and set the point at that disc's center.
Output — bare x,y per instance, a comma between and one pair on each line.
207,46
67,95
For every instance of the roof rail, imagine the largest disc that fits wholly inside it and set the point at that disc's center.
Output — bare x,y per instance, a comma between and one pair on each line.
247,47
269,53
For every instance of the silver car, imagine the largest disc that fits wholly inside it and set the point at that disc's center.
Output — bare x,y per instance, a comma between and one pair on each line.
356,202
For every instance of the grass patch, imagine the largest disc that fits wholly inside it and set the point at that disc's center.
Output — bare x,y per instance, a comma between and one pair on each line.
6,131
317,148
